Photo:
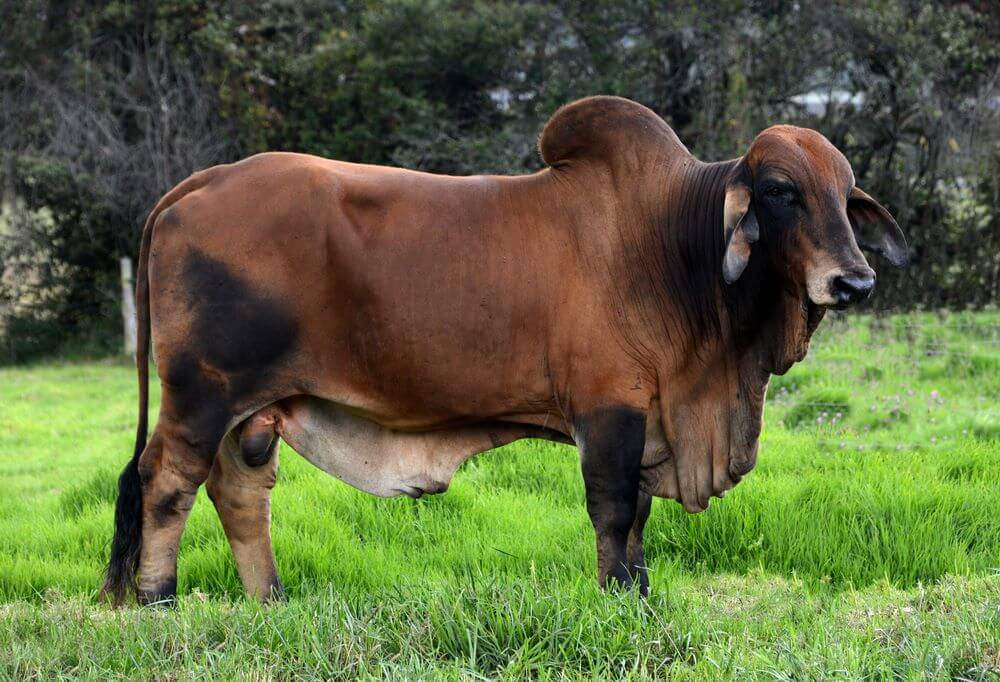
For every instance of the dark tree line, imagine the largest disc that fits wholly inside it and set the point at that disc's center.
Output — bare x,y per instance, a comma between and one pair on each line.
104,106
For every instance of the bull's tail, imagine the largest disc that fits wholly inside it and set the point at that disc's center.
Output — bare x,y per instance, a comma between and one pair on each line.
123,564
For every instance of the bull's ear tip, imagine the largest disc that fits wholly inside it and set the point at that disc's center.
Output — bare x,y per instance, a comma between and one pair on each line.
731,271
900,258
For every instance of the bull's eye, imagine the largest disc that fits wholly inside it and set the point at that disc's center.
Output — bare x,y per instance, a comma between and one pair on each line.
780,195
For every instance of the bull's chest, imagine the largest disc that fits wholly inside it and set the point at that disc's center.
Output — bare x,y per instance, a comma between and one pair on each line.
693,453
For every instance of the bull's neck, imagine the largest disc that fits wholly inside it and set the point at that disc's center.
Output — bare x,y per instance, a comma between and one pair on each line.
690,235
697,196
684,262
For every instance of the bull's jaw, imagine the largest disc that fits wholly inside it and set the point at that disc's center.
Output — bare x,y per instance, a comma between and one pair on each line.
814,315
784,339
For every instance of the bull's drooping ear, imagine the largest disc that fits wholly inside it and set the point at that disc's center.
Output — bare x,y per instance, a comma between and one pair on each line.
741,229
875,229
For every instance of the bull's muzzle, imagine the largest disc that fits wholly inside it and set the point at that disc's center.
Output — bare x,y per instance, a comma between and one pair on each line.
852,287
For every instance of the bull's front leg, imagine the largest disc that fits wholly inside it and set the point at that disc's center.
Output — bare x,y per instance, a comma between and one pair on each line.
635,554
611,442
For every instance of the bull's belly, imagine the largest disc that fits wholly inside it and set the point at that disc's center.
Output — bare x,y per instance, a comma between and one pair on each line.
379,460
387,462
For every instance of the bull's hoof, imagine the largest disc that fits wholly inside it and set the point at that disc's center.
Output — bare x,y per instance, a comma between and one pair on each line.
164,594
621,579
276,595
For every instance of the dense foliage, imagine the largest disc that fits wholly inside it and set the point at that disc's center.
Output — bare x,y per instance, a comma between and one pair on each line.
104,106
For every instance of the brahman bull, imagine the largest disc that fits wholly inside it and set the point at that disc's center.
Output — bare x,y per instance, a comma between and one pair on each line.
389,324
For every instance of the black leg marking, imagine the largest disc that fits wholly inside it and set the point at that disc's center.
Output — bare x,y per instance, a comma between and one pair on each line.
635,553
611,442
165,509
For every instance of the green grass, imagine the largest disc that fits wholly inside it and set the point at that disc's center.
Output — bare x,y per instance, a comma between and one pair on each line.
866,544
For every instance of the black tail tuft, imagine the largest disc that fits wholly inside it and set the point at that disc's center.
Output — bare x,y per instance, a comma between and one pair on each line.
123,564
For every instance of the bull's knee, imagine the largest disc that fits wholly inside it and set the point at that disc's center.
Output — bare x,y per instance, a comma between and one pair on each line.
169,480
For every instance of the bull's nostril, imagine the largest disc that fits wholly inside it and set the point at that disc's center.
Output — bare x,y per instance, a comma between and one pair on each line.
852,288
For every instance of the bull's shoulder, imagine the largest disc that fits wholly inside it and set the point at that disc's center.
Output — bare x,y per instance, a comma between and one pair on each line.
605,128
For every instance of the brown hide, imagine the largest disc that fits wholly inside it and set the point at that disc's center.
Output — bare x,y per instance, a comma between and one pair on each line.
424,302
389,324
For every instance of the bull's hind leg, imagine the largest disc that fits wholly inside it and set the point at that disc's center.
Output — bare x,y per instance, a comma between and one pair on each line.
171,468
176,461
240,486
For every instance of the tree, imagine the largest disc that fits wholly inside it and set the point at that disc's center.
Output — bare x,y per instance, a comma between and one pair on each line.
104,106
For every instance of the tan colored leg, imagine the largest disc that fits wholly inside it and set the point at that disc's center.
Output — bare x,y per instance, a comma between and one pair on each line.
171,472
242,496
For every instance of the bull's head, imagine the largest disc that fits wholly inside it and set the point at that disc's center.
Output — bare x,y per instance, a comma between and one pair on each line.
795,193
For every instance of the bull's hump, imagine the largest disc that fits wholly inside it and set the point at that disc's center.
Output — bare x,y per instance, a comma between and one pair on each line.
606,129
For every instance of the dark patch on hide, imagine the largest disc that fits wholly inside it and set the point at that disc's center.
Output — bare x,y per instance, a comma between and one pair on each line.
165,508
197,402
237,336
235,328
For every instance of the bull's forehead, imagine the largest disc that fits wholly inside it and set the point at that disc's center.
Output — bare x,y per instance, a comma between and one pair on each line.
804,156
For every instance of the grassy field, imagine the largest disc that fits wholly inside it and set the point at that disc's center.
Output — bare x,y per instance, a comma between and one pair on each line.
866,544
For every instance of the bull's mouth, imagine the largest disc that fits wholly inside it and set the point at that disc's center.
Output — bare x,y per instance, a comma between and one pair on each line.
839,306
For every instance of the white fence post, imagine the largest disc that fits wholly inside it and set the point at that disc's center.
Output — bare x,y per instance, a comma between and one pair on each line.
128,306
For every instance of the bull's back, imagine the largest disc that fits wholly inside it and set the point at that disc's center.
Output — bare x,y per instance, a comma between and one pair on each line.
409,296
